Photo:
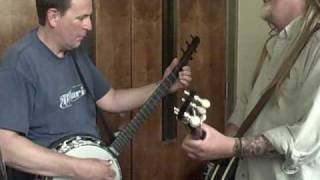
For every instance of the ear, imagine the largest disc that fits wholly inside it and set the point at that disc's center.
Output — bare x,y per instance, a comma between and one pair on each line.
53,15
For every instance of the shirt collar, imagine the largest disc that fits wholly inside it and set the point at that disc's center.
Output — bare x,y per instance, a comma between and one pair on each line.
291,29
287,34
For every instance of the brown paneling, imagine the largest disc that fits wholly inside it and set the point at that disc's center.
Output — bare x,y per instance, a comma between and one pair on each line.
128,51
207,19
113,57
17,18
146,68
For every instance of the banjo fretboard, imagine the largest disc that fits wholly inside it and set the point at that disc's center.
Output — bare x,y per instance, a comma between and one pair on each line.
128,132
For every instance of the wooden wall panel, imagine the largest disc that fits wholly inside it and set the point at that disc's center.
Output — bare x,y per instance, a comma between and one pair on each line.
128,39
207,19
113,58
146,68
17,18
128,50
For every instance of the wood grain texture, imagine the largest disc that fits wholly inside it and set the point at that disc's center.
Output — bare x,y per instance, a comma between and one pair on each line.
207,19
17,18
113,58
128,36
129,42
147,35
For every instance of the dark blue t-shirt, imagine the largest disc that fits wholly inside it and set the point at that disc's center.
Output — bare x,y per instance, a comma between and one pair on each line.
42,96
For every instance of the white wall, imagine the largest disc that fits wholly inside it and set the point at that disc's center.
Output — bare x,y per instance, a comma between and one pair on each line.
252,32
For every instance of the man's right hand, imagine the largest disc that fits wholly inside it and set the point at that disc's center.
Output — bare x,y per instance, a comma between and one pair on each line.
89,169
36,159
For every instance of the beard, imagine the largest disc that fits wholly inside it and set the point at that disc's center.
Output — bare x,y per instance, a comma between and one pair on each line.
266,13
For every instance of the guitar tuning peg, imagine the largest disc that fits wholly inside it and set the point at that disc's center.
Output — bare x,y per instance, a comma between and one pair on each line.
186,118
203,117
204,102
183,99
176,110
195,122
187,93
199,109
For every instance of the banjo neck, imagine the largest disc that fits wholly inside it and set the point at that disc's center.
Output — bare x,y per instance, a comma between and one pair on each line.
127,133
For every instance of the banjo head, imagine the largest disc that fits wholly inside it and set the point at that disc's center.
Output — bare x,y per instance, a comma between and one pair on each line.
86,147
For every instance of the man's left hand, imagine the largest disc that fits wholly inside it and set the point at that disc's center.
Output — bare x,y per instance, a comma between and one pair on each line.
184,78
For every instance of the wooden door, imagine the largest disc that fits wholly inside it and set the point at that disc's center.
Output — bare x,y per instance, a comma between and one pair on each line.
128,50
129,53
17,18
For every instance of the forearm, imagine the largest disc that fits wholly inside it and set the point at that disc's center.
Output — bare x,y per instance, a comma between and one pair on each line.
253,146
33,158
135,97
126,99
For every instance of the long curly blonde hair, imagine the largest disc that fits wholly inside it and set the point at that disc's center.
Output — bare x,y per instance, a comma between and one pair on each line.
310,24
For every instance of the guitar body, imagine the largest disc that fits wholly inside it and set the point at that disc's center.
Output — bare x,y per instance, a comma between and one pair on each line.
222,169
85,147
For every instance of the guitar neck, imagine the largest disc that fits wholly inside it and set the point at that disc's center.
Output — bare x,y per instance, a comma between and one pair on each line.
197,133
126,134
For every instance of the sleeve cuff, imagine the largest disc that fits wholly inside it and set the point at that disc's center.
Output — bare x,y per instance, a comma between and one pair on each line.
292,158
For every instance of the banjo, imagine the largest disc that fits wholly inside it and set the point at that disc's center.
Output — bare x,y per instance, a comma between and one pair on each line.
86,146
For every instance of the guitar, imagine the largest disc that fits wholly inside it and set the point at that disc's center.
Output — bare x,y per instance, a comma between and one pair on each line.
223,169
85,146
192,114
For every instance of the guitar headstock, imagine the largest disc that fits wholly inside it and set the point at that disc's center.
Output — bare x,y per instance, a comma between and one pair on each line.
193,111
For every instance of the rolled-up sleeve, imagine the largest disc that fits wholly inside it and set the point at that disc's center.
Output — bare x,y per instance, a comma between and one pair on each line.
285,147
300,142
